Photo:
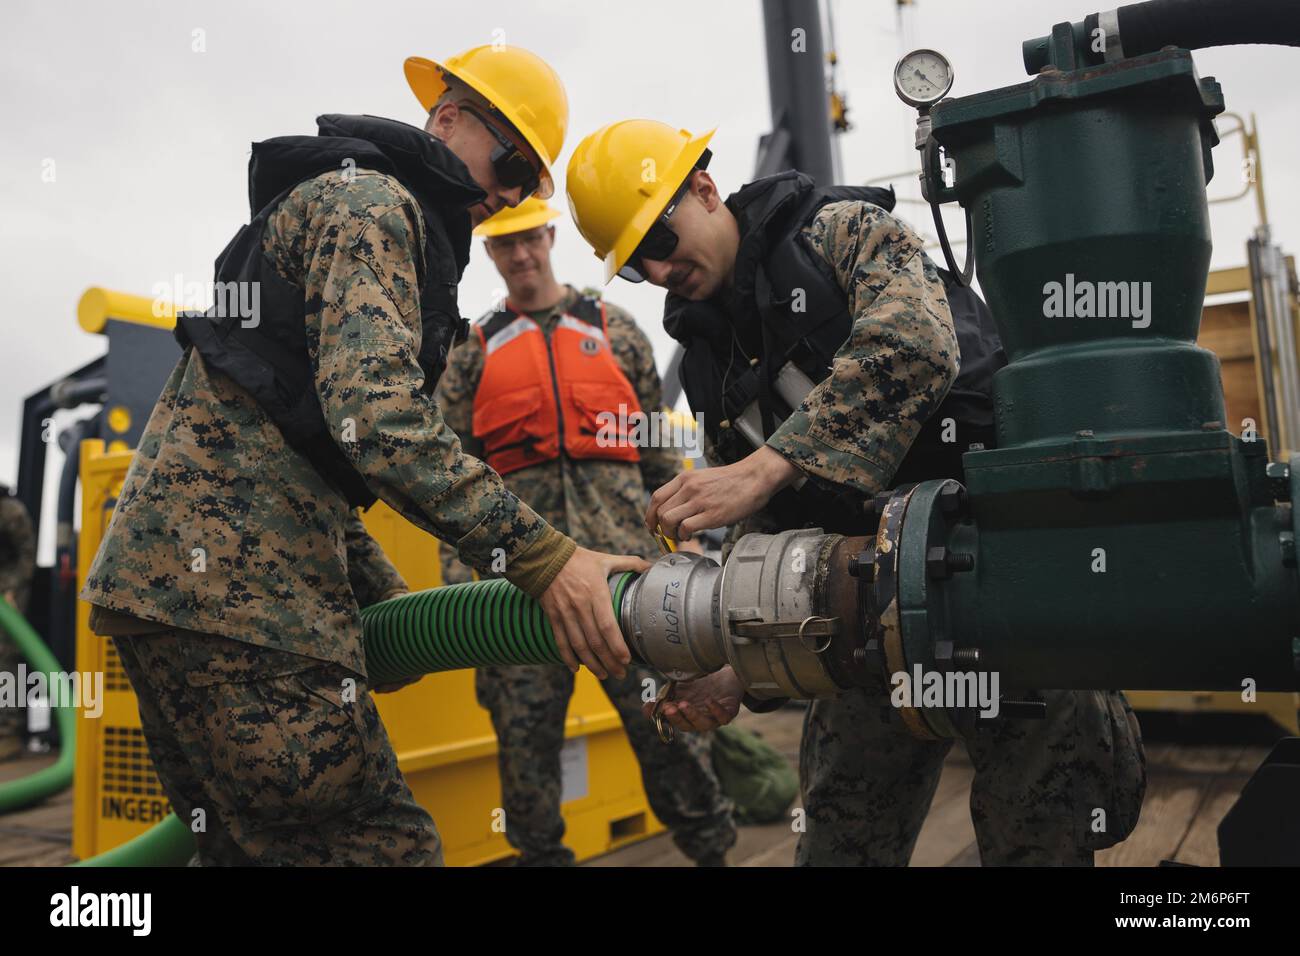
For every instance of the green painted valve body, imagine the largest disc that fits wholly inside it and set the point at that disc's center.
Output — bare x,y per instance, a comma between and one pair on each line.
1119,536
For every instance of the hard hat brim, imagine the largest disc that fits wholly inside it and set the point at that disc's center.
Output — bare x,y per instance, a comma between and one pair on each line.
653,207
510,224
425,78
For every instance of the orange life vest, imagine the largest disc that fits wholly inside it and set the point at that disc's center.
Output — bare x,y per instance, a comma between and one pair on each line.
531,392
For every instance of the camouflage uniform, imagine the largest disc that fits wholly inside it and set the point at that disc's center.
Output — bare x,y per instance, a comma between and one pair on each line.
223,531
867,783
286,756
600,504
17,564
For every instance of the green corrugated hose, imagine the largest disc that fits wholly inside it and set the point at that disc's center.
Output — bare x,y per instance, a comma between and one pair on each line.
444,629
46,782
462,625
169,843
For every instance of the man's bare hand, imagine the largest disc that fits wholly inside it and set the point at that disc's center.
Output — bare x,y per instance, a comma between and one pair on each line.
704,704
582,615
705,498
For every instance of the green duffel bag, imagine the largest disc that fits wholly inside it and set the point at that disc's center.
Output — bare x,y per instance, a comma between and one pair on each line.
760,781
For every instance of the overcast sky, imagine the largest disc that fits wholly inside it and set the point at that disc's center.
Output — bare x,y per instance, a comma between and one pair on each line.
149,138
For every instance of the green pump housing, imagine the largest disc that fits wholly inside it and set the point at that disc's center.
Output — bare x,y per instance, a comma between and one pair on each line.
1120,535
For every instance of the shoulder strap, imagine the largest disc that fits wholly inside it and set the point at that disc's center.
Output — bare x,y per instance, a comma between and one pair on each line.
490,323
590,309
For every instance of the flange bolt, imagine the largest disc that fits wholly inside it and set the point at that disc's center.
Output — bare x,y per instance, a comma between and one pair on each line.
940,563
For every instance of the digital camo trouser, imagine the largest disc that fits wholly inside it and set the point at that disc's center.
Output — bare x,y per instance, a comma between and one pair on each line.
528,707
288,763
1045,792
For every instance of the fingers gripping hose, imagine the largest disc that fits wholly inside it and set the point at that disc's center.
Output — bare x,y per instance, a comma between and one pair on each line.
58,776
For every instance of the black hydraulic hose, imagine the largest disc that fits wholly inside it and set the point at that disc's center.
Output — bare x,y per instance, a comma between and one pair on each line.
73,392
63,576
31,461
65,505
68,393
1197,24
1141,28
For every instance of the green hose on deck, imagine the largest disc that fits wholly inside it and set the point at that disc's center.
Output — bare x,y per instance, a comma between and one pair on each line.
447,628
48,781
169,843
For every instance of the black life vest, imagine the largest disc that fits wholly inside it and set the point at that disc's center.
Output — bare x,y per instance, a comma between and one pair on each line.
270,358
766,318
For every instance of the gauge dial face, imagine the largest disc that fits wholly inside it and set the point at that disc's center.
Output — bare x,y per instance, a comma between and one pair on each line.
922,77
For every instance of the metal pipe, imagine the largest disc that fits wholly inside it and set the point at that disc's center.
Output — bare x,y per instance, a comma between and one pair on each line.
796,85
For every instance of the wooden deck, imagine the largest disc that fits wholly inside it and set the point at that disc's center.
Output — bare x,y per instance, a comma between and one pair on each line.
41,836
1196,767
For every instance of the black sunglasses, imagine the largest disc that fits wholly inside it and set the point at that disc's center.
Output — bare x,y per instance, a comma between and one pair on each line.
511,164
658,243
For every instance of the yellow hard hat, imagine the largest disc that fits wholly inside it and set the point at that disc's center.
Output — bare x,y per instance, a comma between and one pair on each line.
529,214
518,83
621,178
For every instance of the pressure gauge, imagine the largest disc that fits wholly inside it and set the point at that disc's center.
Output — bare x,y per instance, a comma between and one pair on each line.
922,78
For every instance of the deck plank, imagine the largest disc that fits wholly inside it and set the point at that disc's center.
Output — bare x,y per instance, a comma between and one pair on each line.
1193,779
948,830
779,853
1167,813
1201,845
1179,780
26,764
40,835
768,845
1191,785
